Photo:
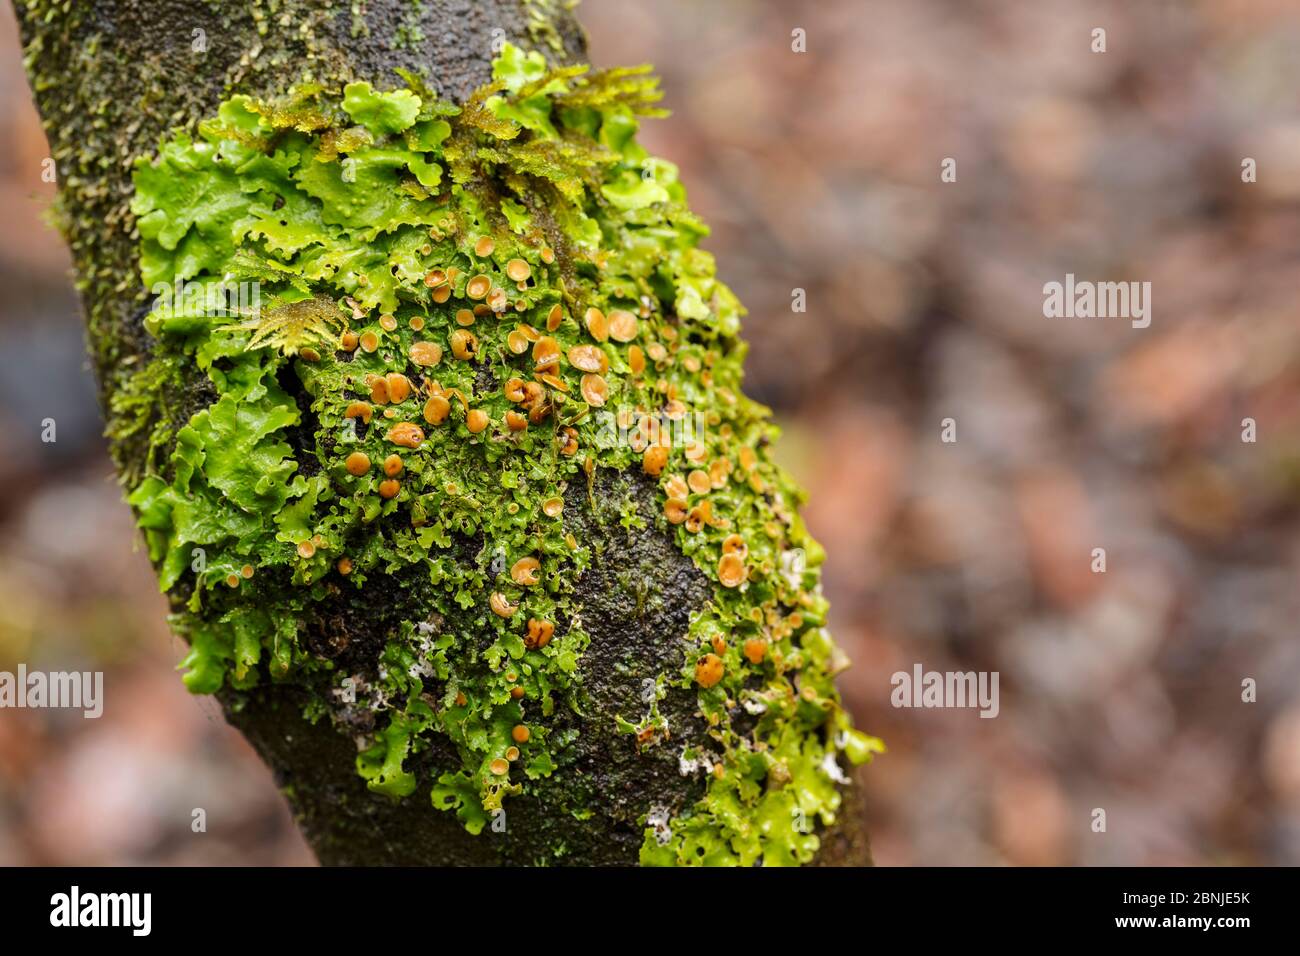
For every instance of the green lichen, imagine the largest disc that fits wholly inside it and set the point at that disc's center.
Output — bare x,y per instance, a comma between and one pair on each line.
533,278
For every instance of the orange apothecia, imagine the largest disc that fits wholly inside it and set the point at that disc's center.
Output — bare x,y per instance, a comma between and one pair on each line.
539,412
654,459
546,354
735,544
501,605
348,341
675,510
552,507
554,318
588,358
399,387
636,359
622,326
709,670
388,323
500,766
596,323
393,466
357,464
436,410
731,570
516,422
406,434
464,344
524,571
369,341
595,390
344,566
361,410
477,287
539,634
484,247
676,487
389,487
306,549
476,420
519,270
755,650
699,482
520,734
533,393
426,354
699,516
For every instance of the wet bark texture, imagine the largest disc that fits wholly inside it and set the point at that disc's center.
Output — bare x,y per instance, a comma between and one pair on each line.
110,77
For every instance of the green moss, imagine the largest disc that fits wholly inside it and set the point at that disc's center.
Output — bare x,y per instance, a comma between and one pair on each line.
366,215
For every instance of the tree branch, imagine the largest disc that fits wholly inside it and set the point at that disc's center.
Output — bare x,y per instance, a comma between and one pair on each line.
111,78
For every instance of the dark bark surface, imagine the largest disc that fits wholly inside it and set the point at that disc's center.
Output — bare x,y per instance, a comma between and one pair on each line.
110,78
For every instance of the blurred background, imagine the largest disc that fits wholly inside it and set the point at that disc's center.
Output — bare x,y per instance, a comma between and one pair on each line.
820,171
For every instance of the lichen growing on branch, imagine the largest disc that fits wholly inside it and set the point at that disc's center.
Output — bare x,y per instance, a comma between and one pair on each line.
460,318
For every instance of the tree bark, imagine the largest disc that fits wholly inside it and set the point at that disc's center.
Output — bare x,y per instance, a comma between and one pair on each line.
110,77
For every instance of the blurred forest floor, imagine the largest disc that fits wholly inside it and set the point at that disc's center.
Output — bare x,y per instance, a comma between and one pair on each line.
820,171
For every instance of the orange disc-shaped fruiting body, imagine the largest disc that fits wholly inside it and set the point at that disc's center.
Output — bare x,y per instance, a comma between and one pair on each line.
436,410
501,605
588,358
622,326
524,571
595,390
406,434
426,354
709,670
654,459
538,634
731,570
